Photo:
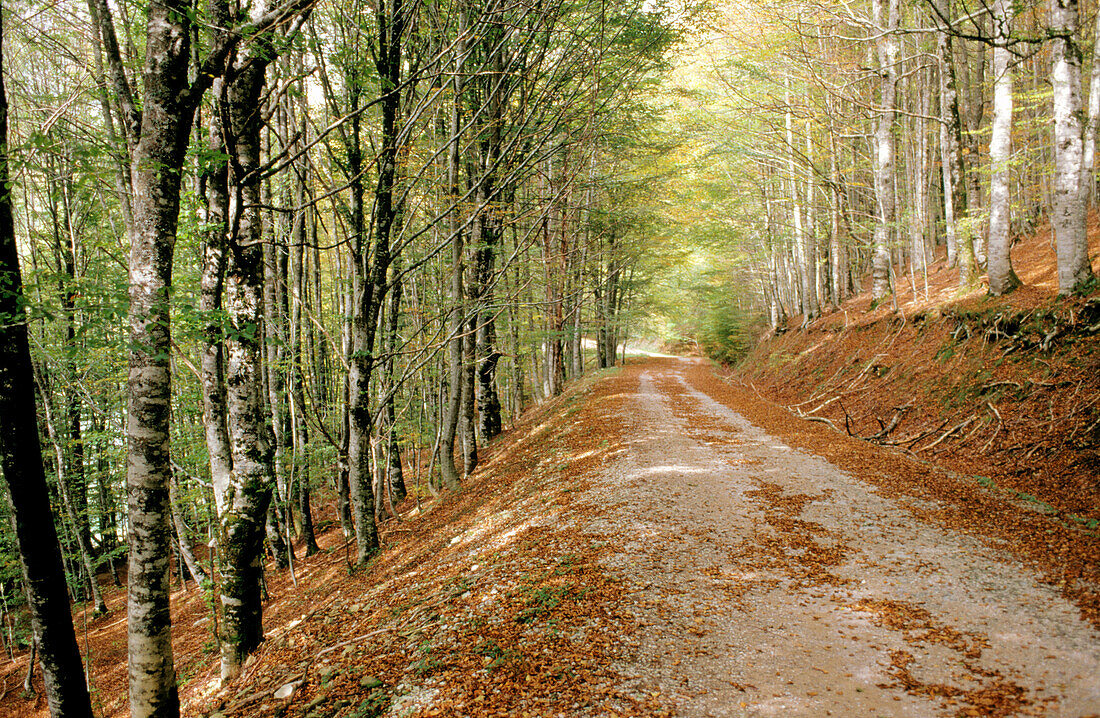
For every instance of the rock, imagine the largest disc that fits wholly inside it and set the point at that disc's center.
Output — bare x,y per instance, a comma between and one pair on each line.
370,682
287,690
327,673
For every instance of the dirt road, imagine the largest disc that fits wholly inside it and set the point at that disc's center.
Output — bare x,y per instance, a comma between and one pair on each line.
768,582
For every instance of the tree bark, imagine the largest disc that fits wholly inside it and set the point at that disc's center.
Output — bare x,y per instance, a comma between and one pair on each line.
1070,199
298,332
247,499
886,24
1092,124
155,170
1002,279
215,182
801,250
372,286
449,430
395,477
960,232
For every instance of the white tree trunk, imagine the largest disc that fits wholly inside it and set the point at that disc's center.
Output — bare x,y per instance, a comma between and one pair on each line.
886,23
800,249
1088,175
1068,215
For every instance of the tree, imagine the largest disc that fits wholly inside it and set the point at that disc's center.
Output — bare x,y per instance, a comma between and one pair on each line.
1002,279
1070,202
21,460
886,25
959,230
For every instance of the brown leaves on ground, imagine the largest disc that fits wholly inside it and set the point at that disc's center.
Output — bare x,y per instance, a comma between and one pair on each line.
1003,438
490,602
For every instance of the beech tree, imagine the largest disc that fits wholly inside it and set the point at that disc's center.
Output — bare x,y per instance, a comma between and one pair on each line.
1071,175
886,48
1002,279
247,496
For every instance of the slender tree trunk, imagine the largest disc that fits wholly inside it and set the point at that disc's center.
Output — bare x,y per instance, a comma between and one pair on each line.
373,285
835,208
21,460
800,246
458,316
1001,277
1092,125
247,500
960,245
971,83
273,356
1070,202
395,477
183,540
215,181
83,544
299,430
469,398
886,24
812,265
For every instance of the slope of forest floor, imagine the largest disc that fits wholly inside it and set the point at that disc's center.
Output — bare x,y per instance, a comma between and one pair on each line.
483,603
1001,395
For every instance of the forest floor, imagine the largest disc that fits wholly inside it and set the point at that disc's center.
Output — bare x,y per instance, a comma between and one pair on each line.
660,541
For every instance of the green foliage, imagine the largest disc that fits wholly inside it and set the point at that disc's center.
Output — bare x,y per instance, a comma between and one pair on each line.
373,705
544,600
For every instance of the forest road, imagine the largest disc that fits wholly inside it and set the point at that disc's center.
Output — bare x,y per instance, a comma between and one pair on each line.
765,581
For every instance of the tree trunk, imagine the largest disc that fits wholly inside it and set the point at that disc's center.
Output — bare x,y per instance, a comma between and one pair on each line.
886,24
183,539
469,399
157,160
299,431
1002,279
458,316
274,316
245,505
811,260
215,181
372,286
395,477
960,232
1068,212
83,544
1092,125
